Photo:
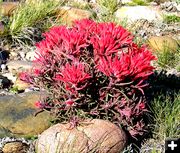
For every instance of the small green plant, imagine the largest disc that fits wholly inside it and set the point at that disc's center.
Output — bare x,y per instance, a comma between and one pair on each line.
80,5
171,19
138,2
168,59
166,116
110,5
14,89
29,19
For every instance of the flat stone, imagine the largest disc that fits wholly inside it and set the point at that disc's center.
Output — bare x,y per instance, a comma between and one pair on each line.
17,115
19,66
134,13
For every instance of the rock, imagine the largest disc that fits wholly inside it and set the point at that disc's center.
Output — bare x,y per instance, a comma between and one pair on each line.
69,14
17,115
4,55
133,13
98,135
10,76
163,43
169,6
63,140
30,56
107,136
19,66
4,82
15,147
160,1
8,7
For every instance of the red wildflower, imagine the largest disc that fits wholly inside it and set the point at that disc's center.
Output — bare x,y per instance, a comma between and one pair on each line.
74,76
109,39
24,76
38,104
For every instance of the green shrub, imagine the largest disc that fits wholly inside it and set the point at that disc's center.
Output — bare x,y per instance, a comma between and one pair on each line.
166,116
171,18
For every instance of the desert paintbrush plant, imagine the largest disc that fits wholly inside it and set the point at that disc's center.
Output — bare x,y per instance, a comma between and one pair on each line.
93,70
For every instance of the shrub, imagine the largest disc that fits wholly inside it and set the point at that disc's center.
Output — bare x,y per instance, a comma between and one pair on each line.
93,70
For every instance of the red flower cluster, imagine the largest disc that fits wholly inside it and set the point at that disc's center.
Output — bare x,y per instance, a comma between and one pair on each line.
74,76
95,69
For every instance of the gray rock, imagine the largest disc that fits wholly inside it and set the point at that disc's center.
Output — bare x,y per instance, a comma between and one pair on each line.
10,76
4,82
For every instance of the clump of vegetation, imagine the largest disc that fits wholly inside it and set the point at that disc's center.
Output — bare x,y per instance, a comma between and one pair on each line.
168,59
93,70
166,117
29,19
171,18
80,5
138,2
110,5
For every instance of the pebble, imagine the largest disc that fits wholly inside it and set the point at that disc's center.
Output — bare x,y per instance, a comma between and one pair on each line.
6,140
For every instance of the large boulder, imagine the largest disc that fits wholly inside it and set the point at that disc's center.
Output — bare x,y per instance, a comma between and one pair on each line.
134,13
17,115
93,135
163,43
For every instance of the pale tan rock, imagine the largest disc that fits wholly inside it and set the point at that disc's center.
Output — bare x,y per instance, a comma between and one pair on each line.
69,14
98,135
104,135
163,43
15,147
7,8
59,138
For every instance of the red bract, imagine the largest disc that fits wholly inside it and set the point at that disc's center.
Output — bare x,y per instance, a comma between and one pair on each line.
109,39
73,76
134,66
24,76
94,70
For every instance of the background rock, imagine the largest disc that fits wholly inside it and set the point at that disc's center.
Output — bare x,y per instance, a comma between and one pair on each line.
69,14
15,147
8,7
163,43
133,13
17,115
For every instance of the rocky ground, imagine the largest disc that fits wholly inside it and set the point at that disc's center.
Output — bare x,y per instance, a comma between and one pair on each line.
16,97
